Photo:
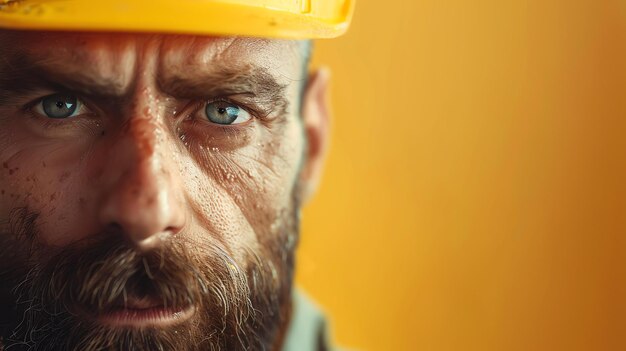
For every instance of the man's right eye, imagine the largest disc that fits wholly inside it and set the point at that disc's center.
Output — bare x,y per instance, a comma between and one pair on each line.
59,106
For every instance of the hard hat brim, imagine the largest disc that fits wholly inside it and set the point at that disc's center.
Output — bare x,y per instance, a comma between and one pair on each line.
303,19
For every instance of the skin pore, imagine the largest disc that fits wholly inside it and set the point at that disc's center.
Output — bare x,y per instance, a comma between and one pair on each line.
169,181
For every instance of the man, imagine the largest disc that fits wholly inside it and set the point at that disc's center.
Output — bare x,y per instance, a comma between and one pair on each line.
151,180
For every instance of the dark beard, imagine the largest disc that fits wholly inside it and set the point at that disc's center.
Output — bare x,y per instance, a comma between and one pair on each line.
48,295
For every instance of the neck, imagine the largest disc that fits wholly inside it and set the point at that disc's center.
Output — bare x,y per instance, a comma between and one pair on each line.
285,317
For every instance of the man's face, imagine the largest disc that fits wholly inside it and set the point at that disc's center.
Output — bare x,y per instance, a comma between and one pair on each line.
149,190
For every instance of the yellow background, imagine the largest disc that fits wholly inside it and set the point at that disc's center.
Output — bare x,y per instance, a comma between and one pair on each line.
475,193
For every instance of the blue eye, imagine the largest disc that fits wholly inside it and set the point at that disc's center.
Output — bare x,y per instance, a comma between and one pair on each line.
59,106
222,112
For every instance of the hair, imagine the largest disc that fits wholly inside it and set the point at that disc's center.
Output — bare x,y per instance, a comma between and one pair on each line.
306,50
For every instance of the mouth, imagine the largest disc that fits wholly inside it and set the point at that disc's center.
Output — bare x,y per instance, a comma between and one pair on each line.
144,312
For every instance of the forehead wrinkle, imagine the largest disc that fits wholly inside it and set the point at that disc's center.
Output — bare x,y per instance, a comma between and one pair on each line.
90,66
182,54
204,55
189,62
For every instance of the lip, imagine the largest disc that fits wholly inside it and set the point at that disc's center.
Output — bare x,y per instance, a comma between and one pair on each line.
145,312
145,317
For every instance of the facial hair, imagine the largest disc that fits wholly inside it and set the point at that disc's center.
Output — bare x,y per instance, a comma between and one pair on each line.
47,295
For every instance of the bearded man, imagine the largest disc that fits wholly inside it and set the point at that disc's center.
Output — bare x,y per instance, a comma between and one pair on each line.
154,158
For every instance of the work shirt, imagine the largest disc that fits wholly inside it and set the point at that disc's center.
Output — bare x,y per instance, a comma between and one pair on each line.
308,328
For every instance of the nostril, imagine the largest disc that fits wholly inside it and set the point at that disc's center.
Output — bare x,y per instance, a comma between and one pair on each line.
154,241
114,228
172,230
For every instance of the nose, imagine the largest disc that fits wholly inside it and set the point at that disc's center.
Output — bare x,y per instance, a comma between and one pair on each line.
139,192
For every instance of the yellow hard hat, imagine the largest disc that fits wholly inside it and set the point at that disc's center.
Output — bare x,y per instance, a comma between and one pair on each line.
293,19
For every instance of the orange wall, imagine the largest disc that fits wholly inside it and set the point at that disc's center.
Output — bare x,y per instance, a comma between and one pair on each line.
475,194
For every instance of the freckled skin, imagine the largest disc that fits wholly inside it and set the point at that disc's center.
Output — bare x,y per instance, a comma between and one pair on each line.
128,164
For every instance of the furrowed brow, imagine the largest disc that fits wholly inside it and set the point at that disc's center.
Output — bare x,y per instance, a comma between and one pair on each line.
21,73
254,82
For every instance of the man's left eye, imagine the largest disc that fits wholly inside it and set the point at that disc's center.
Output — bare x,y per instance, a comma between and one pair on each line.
222,112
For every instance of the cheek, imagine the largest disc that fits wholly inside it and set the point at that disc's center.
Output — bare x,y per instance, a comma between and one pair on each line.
41,176
239,193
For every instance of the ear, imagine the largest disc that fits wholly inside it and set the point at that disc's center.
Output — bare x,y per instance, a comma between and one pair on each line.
316,125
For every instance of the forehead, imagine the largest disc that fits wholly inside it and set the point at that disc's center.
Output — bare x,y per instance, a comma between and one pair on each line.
120,56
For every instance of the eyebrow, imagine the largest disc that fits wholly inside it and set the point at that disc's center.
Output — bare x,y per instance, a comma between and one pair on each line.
21,73
254,82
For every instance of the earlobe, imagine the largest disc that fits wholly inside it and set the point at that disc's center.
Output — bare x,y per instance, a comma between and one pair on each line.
316,125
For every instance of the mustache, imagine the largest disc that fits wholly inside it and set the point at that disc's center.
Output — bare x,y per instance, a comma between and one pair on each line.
104,274
64,286
101,273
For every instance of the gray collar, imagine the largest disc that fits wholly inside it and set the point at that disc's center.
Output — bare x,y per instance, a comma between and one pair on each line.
308,329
